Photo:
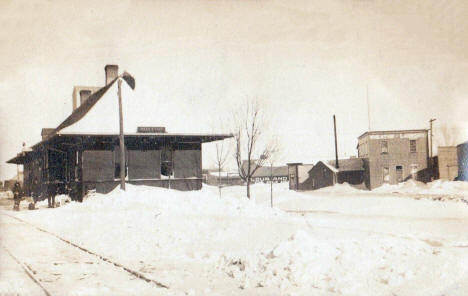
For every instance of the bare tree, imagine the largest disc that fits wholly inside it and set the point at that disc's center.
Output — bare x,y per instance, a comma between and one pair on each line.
222,153
448,135
248,135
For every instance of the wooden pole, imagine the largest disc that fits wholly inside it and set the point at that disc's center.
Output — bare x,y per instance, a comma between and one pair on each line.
368,107
271,184
336,143
122,140
431,162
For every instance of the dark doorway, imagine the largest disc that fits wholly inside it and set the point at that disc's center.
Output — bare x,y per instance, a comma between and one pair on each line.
399,173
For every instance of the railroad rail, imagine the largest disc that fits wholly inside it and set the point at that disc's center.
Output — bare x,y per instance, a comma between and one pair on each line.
27,270
135,273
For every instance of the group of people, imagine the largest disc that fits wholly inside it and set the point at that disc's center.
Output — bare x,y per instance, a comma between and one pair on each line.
18,195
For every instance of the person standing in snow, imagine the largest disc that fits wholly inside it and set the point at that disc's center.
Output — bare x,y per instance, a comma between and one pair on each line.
51,196
17,195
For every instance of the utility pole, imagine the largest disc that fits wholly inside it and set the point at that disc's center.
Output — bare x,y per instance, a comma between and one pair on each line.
430,123
122,139
431,160
123,164
368,106
271,183
336,143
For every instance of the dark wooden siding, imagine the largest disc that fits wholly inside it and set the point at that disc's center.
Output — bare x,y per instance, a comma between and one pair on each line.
351,177
187,164
144,164
462,156
98,165
321,176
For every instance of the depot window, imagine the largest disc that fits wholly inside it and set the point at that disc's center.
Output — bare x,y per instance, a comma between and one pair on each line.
167,168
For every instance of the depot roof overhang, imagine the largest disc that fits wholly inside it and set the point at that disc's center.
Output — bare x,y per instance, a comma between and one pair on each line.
76,139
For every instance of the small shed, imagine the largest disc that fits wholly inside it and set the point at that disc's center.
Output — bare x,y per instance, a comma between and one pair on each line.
325,174
447,162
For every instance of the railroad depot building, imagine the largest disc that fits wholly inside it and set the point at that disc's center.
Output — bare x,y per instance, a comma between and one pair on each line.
83,153
394,156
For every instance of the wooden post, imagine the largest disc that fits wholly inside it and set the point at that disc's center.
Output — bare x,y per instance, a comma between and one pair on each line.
336,143
271,184
122,139
431,162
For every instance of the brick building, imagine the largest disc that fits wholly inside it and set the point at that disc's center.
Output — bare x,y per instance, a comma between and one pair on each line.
394,156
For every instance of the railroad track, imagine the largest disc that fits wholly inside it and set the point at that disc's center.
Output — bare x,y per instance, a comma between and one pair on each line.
27,270
31,273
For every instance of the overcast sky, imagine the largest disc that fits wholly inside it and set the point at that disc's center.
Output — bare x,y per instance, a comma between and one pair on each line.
305,60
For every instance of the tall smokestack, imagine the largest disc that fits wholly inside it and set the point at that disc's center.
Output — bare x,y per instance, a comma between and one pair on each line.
111,72
336,144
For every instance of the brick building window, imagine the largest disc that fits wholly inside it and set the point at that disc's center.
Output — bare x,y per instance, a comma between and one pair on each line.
412,146
384,147
386,174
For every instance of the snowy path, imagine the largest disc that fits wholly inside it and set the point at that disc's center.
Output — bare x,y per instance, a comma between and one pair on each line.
349,243
63,269
13,278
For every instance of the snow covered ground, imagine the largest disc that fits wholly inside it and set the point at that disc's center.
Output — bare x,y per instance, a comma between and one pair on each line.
410,239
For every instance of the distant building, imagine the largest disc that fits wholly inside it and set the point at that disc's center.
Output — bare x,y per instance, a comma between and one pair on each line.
277,173
447,162
325,173
8,184
214,178
462,159
264,173
394,156
299,176
349,171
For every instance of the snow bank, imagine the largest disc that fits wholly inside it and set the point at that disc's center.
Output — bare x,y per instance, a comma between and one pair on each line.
340,188
60,200
6,194
173,202
436,187
373,266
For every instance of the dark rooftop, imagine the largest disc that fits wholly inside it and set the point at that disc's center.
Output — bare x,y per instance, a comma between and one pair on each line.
350,164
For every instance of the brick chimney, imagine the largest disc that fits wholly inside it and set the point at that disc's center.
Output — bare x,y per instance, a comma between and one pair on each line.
46,133
84,95
111,72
